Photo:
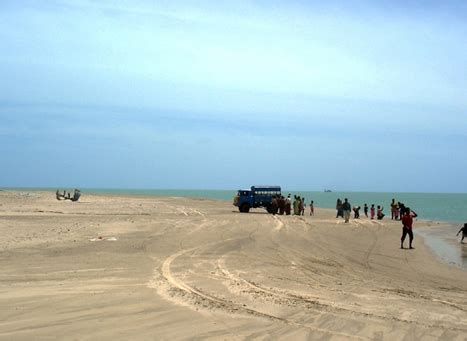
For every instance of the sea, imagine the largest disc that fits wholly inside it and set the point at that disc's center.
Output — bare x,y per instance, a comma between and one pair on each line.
448,208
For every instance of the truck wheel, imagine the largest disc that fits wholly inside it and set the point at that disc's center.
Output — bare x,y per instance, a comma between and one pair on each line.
245,208
269,209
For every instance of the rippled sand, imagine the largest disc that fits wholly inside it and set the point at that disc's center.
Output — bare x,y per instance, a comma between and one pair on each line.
114,267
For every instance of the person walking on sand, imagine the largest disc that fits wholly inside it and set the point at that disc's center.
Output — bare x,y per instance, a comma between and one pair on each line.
288,205
281,203
295,205
312,208
365,210
340,213
464,232
372,211
346,208
302,206
275,205
393,209
407,222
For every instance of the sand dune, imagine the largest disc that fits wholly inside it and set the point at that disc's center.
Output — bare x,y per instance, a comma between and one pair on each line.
115,267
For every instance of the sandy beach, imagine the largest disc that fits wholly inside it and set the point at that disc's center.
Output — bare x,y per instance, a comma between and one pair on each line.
161,268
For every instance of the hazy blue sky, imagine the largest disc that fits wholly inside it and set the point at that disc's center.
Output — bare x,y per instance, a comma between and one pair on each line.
347,95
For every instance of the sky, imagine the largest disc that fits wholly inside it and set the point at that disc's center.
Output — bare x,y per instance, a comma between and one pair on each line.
310,95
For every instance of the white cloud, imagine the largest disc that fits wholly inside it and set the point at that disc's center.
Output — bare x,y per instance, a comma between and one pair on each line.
278,51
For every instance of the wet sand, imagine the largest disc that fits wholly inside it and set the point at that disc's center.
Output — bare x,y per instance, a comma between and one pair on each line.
441,238
116,267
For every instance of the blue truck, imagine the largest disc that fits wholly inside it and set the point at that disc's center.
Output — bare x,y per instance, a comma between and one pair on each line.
256,196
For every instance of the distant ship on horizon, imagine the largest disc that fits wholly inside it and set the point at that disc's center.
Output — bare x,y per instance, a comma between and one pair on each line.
327,191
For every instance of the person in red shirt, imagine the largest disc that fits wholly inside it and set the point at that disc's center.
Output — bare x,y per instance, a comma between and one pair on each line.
407,222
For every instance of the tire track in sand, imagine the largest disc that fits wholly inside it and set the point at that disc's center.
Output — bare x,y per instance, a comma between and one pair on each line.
282,297
197,297
370,249
279,223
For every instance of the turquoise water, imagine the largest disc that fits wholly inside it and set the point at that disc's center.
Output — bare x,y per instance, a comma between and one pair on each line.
450,207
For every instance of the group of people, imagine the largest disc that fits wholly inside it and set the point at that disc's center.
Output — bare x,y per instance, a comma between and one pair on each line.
378,212
280,205
283,205
398,210
344,209
67,196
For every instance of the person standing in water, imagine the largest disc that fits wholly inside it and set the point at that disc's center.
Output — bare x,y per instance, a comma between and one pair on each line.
365,210
407,222
464,232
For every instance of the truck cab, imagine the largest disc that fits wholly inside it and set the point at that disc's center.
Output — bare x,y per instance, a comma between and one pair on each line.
256,196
